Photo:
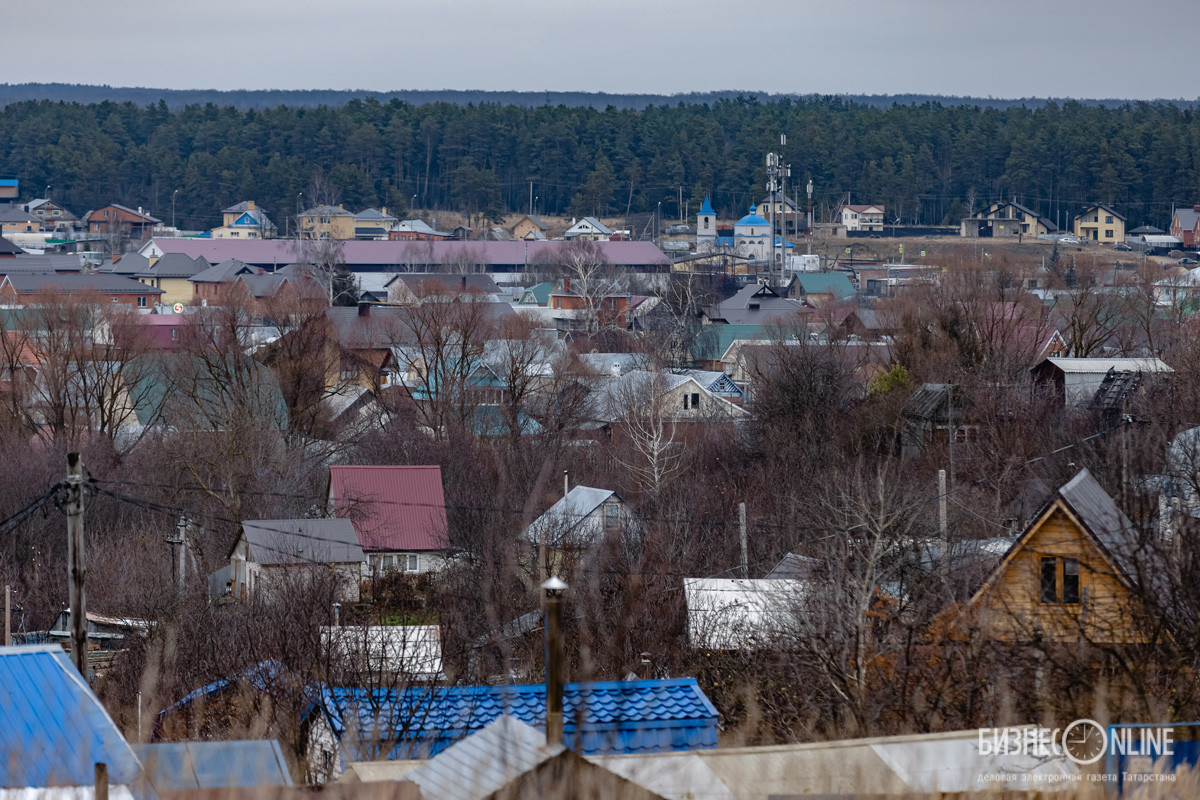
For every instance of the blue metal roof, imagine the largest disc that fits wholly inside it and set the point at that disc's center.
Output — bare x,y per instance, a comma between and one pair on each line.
53,729
214,765
650,716
707,207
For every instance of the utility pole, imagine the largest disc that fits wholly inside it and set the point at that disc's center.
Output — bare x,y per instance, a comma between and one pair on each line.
554,588
76,567
744,541
7,615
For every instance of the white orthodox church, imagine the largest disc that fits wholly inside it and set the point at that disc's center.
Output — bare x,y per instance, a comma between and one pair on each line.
751,234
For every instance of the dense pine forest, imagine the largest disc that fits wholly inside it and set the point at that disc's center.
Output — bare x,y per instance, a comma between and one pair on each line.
930,163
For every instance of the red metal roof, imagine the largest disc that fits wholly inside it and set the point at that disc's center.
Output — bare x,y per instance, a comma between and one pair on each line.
392,508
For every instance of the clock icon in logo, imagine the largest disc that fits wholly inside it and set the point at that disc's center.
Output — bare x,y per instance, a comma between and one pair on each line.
1084,741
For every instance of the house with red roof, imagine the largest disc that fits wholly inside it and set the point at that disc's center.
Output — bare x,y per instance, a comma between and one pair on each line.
398,512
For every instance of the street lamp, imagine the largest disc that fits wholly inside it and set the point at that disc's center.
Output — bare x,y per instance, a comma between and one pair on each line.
414,203
173,208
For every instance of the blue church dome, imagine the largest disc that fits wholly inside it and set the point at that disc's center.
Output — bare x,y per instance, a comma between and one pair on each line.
752,218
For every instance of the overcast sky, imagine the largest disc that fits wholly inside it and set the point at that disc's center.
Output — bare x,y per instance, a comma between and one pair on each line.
1018,48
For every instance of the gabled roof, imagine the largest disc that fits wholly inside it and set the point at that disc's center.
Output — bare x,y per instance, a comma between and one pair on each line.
865,209
1102,521
1187,218
223,272
644,716
301,541
569,522
482,763
54,728
1101,366
133,211
8,248
326,211
538,294
128,264
739,613
175,265
373,215
393,508
254,218
593,223
1097,207
757,304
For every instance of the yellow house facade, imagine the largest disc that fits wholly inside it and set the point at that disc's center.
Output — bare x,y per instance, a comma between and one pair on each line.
326,222
1069,577
1099,223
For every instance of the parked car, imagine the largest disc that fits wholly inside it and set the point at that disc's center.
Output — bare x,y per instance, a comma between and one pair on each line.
1124,248
1187,261
1068,240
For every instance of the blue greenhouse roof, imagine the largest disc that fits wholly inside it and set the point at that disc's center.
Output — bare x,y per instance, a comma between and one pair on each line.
54,729
214,765
649,716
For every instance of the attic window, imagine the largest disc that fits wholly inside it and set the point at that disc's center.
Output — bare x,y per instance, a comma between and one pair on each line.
612,515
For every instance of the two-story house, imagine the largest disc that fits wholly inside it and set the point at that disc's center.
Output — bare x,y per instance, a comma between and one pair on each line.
326,222
1100,223
1185,225
244,221
863,218
589,229
116,219
1007,218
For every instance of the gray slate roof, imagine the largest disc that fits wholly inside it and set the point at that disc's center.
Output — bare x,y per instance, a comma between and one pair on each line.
225,271
175,265
299,541
1099,512
1187,218
128,264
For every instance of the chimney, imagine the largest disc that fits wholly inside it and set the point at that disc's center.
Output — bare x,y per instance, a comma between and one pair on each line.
364,309
383,211
554,677
567,285
464,282
616,369
1196,209
340,207
249,205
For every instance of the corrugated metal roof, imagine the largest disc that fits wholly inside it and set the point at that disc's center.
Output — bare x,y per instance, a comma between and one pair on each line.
1103,365
482,763
214,765
393,508
295,541
609,717
736,614
569,520
53,729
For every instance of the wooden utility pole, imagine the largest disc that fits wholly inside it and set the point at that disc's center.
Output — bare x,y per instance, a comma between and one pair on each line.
76,569
7,615
101,788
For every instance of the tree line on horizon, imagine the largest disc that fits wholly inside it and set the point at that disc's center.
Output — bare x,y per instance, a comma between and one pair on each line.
929,164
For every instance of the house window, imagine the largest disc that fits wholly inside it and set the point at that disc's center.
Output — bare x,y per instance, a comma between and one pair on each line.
1049,579
695,400
1070,580
612,516
389,563
1108,219
1108,233
412,562
141,301
706,223
174,334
